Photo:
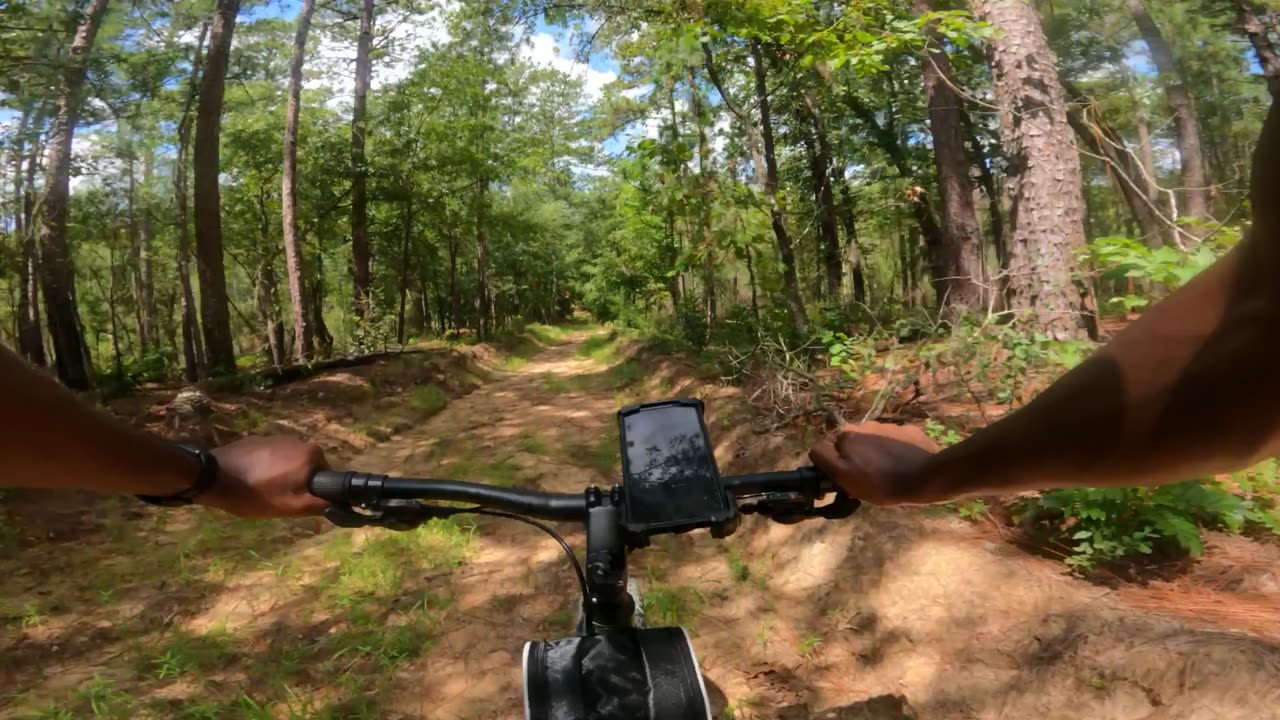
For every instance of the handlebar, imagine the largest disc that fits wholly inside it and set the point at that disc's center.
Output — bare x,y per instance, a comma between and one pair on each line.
366,490
780,494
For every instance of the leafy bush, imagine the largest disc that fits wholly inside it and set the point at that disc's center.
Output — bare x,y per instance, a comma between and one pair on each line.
1109,524
1120,258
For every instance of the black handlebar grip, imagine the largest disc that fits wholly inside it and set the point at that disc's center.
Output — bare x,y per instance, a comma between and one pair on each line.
333,486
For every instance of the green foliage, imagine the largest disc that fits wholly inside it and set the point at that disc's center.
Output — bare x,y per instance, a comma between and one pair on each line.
672,605
428,399
1110,524
1120,258
941,434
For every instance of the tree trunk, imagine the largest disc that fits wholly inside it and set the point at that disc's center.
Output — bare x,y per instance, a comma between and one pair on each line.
404,266
1187,129
30,340
1268,58
994,210
961,246
289,192
1123,169
1046,217
214,314
820,170
267,287
134,242
320,331
484,299
704,206
56,272
192,344
455,302
918,199
778,219
268,311
848,220
146,240
359,169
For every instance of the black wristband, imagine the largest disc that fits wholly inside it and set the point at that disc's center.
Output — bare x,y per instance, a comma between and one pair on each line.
206,476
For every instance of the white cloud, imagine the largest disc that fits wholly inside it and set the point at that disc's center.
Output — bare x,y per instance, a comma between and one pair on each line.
543,49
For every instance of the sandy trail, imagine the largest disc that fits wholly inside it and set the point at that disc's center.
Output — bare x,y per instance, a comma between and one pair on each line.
893,614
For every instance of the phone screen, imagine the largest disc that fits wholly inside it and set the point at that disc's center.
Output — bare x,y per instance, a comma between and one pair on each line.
671,472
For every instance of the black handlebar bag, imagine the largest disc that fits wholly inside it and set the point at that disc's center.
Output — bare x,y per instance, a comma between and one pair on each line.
618,674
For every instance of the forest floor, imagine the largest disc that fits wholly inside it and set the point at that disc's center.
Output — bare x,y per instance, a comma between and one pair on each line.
115,610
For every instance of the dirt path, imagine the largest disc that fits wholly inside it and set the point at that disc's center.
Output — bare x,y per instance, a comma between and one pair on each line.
896,614
893,614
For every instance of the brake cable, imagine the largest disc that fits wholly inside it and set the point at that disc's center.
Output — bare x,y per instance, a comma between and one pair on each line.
590,627
404,515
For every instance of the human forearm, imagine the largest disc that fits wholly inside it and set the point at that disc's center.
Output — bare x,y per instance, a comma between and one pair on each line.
1190,388
49,438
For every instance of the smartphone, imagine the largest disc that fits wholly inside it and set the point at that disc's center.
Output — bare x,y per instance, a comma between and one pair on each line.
669,477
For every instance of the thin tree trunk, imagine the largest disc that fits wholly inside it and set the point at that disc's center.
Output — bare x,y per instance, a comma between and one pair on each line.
790,280
1268,59
192,345
214,314
320,331
267,287
484,299
704,206
848,220
1146,153
110,293
30,255
360,277
30,340
289,192
268,311
146,240
820,165
455,302
1046,202
961,246
56,272
755,300
404,266
889,142
1122,167
1194,175
134,243
994,210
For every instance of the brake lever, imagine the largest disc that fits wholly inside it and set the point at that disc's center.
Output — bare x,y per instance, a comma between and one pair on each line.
789,508
398,515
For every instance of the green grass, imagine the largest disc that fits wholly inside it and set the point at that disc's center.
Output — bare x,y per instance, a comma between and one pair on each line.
98,698
739,570
532,444
384,641
810,643
558,384
562,619
380,569
184,653
548,335
672,605
249,420
601,348
374,432
428,399
472,469
602,454
625,373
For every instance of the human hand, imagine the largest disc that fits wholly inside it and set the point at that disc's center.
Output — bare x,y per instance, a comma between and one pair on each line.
878,463
266,477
